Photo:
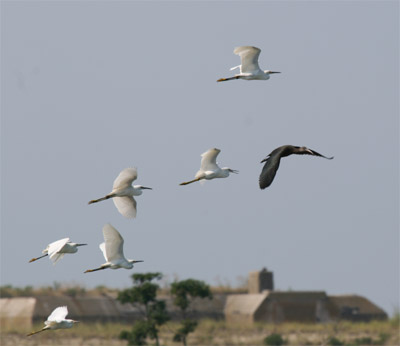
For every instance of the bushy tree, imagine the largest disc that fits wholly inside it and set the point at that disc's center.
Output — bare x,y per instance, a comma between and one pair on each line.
183,293
144,295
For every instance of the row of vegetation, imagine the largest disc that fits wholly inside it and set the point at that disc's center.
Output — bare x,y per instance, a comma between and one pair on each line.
76,290
277,340
219,332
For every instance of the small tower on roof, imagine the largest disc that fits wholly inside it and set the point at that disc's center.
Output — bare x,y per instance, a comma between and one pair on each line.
260,281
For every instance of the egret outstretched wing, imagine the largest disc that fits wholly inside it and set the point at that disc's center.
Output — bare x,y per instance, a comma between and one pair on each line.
209,160
126,206
113,243
58,314
102,247
125,178
249,58
55,247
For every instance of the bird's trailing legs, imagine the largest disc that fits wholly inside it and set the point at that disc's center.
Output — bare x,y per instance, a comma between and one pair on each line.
41,330
100,199
225,79
36,258
191,181
94,270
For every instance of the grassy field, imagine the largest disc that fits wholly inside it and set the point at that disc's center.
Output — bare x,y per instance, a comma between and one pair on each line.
211,332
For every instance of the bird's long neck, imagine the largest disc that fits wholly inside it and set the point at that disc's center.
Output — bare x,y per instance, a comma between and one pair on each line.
289,150
225,171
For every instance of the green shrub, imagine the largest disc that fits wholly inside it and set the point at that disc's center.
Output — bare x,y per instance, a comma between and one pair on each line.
364,341
383,337
274,339
334,341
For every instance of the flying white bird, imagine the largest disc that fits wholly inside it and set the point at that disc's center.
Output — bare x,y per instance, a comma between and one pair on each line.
113,251
123,192
58,249
57,320
249,69
209,168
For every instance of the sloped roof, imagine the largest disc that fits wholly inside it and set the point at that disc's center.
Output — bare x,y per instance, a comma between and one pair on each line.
296,296
246,304
199,307
364,305
78,307
17,307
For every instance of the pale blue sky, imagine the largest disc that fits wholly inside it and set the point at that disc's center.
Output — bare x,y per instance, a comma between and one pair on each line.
89,88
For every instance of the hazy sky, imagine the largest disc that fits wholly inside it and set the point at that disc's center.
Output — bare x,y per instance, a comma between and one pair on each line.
90,88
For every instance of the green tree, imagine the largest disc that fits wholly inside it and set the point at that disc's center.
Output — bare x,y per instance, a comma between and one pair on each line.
183,293
144,295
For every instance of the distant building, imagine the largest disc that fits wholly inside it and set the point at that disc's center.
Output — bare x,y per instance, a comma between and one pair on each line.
27,310
277,306
24,311
262,303
355,308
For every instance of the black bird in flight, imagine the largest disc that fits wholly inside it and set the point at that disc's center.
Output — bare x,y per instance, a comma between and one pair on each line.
273,160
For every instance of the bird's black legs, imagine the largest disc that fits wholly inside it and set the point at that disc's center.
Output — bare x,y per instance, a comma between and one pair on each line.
100,199
94,270
189,182
225,79
35,259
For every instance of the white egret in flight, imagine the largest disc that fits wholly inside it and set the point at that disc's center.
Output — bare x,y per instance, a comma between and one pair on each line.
58,249
273,160
57,320
209,168
249,69
123,192
113,251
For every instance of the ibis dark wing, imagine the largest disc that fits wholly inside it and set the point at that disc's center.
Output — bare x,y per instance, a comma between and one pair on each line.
269,170
271,166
